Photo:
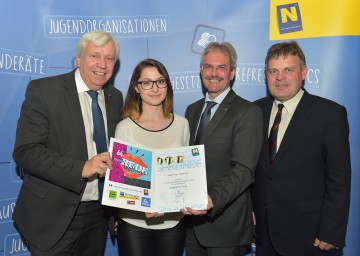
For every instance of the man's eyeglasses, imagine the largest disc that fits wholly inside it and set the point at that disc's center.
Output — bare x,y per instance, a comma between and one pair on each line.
148,84
210,68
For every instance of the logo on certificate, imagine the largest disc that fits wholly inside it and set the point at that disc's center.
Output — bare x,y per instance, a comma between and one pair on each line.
145,201
195,152
146,192
112,194
128,196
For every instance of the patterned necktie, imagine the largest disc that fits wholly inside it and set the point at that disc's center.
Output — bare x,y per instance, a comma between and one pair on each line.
273,134
99,135
204,121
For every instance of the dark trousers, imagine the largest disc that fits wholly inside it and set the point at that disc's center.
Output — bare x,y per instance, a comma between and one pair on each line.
136,241
194,248
86,235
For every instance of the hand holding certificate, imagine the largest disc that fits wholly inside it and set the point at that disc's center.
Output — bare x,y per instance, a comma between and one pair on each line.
162,180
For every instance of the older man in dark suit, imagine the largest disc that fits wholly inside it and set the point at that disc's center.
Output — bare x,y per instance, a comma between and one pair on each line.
232,142
58,209
302,182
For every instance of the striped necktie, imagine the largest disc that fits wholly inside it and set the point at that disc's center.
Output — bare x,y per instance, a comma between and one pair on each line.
273,134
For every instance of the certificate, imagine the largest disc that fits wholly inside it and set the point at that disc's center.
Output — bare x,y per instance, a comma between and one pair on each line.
155,180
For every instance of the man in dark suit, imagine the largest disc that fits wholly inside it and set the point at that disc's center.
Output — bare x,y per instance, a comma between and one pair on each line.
58,209
232,142
302,195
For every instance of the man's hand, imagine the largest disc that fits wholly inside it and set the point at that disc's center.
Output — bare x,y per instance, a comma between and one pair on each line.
97,165
323,245
153,214
190,211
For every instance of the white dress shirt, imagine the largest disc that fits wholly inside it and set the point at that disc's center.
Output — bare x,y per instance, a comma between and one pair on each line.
91,190
286,115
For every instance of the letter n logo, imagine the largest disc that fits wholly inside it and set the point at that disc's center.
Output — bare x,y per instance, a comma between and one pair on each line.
195,152
289,18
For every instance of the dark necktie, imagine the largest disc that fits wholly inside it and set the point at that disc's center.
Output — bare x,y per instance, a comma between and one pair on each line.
273,134
204,121
99,135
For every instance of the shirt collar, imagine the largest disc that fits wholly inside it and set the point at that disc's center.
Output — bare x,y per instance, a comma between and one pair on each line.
220,97
291,104
81,86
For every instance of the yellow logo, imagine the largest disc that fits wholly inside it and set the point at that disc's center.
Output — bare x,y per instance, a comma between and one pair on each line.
307,19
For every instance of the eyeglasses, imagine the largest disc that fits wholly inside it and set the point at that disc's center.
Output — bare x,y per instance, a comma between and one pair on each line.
210,68
148,84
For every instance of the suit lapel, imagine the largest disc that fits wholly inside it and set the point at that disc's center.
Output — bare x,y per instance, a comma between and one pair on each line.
194,118
110,111
296,124
266,120
76,123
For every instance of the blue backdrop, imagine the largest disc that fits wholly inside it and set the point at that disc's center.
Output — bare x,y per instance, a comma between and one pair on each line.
38,39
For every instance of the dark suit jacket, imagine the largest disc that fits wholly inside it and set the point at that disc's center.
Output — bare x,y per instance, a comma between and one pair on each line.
51,147
305,194
232,147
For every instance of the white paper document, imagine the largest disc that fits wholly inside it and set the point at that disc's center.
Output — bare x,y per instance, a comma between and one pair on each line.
155,180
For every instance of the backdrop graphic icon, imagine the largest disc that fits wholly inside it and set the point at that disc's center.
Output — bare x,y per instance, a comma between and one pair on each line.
204,34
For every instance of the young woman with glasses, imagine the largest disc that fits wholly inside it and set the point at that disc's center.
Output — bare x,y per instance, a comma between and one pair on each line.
149,121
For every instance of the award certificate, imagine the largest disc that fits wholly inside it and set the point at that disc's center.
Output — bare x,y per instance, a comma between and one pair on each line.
155,180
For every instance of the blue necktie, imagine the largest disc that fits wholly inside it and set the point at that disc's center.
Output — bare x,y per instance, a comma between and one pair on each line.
273,134
204,121
99,135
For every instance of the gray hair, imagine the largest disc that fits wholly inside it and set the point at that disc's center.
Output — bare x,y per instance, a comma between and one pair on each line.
98,38
224,47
